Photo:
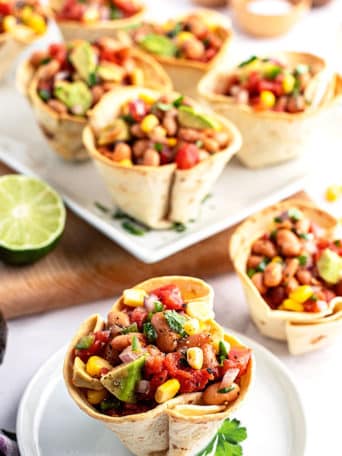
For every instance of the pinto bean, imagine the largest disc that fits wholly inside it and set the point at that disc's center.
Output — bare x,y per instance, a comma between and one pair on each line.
211,145
288,242
265,248
119,343
193,49
291,285
57,106
49,70
303,225
275,296
290,269
203,154
189,134
140,146
97,92
304,277
211,395
296,104
137,131
197,26
273,274
170,122
209,357
37,57
158,134
151,158
117,319
196,340
258,280
122,151
222,137
254,261
167,339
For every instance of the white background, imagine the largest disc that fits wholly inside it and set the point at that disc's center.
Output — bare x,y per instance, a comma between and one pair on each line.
318,375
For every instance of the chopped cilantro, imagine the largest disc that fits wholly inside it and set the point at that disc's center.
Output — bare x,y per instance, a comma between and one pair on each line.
176,30
178,101
92,79
115,13
133,228
128,118
179,227
337,243
162,106
199,143
207,196
248,61
101,207
294,214
45,61
302,260
301,69
45,95
158,306
130,329
226,389
273,235
149,332
119,215
158,147
303,236
108,404
85,342
262,265
313,298
277,219
175,321
251,272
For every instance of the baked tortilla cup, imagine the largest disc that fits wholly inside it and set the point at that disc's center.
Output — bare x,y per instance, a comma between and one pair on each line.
170,194
181,424
271,137
184,73
303,331
75,30
64,131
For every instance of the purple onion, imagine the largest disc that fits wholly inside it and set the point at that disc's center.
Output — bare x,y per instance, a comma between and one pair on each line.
127,355
104,13
229,377
143,387
149,302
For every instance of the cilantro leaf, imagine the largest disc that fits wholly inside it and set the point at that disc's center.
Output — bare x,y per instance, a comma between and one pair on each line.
175,321
232,431
227,440
149,332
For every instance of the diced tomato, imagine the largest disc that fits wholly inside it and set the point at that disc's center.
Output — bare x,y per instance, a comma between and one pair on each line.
94,349
102,336
5,9
328,294
128,7
130,409
315,306
209,54
154,365
170,296
58,52
322,244
157,380
166,155
137,109
187,156
237,358
190,379
273,86
138,316
252,82
72,10
197,382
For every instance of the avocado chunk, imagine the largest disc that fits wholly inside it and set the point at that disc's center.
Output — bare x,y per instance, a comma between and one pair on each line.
75,95
82,379
116,131
329,266
84,59
110,72
189,118
159,45
122,380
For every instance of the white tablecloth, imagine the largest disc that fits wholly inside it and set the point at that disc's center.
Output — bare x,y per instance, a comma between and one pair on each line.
318,375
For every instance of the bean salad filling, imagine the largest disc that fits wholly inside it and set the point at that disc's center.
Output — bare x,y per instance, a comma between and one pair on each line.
28,14
92,11
73,77
268,84
154,348
154,131
191,38
294,267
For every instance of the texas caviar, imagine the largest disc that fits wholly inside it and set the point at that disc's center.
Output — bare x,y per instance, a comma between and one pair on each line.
27,14
156,347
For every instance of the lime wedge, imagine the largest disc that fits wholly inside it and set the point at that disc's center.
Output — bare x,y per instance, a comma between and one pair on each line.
32,219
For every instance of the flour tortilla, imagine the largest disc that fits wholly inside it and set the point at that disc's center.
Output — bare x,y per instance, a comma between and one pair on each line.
169,194
271,137
64,131
299,329
184,73
178,426
76,30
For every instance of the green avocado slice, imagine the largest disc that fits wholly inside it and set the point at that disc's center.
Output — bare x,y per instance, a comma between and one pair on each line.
329,266
158,44
122,380
189,118
75,95
84,59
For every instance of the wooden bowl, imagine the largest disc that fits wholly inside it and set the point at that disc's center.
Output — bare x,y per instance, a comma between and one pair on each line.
268,25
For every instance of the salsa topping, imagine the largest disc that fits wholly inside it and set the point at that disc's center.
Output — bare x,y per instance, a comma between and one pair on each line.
147,354
73,77
269,84
294,267
92,11
191,38
27,14
154,131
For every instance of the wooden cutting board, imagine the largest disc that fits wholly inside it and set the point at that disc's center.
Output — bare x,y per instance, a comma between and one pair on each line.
86,266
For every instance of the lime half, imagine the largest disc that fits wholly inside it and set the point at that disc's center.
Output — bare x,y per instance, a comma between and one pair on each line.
32,219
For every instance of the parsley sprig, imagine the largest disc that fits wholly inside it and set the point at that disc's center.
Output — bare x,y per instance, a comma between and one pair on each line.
175,321
227,440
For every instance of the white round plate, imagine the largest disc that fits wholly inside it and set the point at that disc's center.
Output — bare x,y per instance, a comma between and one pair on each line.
50,424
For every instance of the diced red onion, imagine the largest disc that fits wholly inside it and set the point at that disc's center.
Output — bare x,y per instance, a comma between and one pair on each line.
62,75
229,377
149,302
104,13
127,355
143,387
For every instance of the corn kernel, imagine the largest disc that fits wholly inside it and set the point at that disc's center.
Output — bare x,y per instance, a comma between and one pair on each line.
267,99
167,390
194,356
149,123
333,193
199,310
288,83
171,142
126,162
134,297
301,293
169,25
137,77
290,304
95,364
184,36
26,13
192,326
95,397
147,98
215,330
91,15
277,259
37,23
9,23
